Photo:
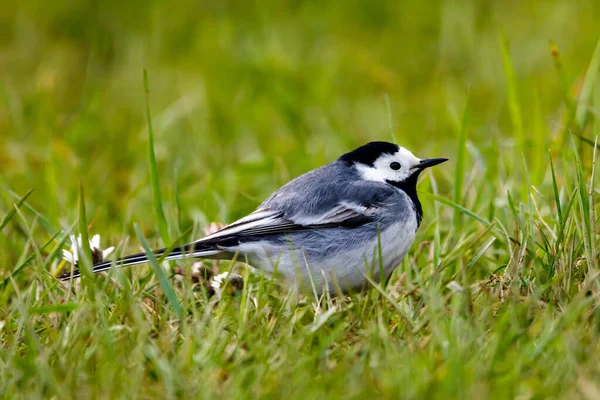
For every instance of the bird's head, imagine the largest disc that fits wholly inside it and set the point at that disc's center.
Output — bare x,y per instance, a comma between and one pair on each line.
389,163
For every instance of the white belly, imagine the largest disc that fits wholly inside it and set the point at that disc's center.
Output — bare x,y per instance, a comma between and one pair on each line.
345,269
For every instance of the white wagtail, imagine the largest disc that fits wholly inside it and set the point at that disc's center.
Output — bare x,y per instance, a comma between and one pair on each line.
326,228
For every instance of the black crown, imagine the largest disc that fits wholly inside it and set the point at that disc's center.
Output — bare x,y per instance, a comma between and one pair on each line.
368,153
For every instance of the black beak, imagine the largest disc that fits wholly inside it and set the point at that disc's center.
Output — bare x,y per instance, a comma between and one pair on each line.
430,162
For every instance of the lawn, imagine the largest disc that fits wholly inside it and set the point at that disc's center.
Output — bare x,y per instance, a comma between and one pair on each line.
498,296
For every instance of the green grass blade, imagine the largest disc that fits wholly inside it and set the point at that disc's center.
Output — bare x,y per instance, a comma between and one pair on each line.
561,74
389,113
166,253
539,134
160,274
460,168
585,98
43,220
527,191
457,207
568,116
407,320
178,200
492,176
58,308
25,262
592,208
480,252
85,253
9,215
59,247
512,92
556,192
380,259
584,205
585,140
176,242
160,215
511,204
437,232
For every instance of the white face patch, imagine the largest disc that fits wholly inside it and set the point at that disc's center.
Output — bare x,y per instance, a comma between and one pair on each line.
383,168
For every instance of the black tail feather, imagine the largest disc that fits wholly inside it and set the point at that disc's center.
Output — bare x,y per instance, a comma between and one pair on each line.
185,251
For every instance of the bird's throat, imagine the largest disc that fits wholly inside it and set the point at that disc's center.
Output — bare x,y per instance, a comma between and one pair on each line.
409,186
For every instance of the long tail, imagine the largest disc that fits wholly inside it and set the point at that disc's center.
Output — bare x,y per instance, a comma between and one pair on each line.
192,250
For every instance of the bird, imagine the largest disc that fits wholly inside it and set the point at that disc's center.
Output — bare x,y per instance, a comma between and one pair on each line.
329,229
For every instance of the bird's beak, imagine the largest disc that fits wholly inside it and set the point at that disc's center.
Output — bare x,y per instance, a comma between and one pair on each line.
430,162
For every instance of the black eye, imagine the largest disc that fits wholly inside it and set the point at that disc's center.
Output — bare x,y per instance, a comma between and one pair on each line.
395,166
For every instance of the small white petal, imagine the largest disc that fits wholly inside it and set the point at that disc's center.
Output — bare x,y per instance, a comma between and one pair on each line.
197,267
74,245
95,241
217,280
454,287
107,252
69,257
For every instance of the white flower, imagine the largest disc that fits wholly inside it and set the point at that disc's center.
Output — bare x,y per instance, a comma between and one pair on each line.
98,255
455,287
235,284
217,281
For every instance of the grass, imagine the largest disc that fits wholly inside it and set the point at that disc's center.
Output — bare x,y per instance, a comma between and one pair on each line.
498,295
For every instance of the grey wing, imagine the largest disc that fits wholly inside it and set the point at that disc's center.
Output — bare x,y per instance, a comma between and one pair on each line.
351,206
270,222
320,191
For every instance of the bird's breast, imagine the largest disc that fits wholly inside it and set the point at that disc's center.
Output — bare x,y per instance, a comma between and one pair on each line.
395,241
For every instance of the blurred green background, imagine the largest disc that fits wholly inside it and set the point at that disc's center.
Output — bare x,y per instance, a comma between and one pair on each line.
496,299
246,95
